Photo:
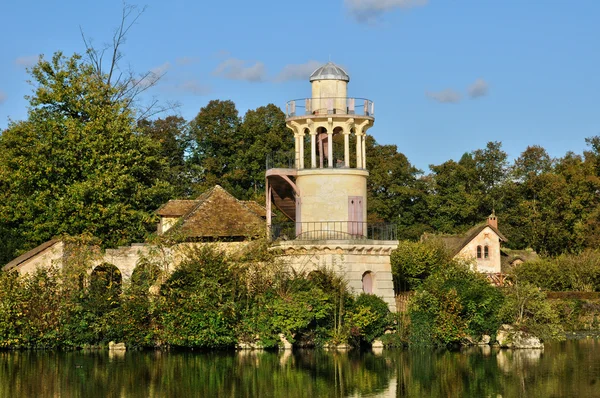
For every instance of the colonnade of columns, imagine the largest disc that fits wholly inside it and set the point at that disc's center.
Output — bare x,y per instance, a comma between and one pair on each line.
316,129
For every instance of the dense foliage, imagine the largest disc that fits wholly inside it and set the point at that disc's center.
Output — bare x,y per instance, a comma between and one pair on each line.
566,272
210,300
453,305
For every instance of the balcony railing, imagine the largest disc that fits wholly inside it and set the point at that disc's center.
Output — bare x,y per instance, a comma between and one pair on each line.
333,230
281,160
287,160
330,106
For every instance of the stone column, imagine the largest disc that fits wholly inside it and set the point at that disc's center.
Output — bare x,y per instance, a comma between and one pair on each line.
330,147
297,151
313,149
358,134
364,151
301,150
346,147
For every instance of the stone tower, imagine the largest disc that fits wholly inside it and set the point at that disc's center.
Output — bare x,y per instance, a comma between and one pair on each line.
323,189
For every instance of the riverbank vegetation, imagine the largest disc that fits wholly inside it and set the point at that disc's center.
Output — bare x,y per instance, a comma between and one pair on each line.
210,301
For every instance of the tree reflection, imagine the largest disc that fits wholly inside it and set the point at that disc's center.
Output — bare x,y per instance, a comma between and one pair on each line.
563,369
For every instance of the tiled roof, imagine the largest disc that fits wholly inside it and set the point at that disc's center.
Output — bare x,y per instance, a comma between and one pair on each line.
455,243
217,214
255,207
176,208
31,253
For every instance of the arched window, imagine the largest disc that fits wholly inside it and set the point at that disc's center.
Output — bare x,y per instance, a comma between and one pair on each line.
479,251
367,282
486,252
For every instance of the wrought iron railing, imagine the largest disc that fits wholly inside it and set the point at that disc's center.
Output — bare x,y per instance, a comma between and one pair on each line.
330,106
286,160
281,160
333,230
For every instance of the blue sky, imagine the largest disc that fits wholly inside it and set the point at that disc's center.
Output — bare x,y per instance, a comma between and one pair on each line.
446,76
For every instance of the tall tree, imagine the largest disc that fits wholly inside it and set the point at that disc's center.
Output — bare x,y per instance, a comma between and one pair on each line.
264,132
171,134
77,164
395,191
455,195
217,142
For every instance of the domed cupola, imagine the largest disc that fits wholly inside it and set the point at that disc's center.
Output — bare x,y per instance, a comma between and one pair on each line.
329,71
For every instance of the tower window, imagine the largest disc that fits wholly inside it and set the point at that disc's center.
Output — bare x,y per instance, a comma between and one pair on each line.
479,251
486,252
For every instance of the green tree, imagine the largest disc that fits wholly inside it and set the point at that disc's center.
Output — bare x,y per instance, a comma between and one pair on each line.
217,143
171,134
455,195
77,163
263,133
395,191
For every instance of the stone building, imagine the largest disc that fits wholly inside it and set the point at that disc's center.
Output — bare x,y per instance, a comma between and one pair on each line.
323,191
215,217
479,245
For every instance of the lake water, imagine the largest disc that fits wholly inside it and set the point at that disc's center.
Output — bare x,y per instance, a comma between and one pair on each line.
567,369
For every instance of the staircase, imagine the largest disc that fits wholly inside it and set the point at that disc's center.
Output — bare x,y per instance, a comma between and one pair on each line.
283,195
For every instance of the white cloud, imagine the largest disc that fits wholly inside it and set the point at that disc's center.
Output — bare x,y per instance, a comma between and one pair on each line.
194,87
186,60
297,71
478,89
161,69
27,61
2,97
447,96
237,69
370,10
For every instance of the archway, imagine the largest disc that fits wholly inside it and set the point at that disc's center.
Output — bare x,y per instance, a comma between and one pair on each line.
367,282
105,287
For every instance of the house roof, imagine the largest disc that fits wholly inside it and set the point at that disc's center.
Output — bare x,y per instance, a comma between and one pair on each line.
31,253
255,207
455,243
508,256
217,214
176,208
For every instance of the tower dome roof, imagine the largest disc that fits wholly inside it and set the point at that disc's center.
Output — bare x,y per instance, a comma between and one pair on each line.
329,71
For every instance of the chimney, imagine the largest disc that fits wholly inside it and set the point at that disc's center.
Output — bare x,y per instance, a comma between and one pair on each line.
493,220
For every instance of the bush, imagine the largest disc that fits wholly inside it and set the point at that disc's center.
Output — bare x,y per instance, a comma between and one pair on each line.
567,272
368,318
527,308
413,262
454,303
198,303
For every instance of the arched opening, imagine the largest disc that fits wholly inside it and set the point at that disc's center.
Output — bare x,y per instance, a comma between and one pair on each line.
486,252
367,282
478,251
144,275
322,147
105,287
352,142
307,150
338,147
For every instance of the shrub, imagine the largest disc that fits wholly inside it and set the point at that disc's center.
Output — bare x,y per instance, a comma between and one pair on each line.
453,304
527,308
413,262
198,303
368,318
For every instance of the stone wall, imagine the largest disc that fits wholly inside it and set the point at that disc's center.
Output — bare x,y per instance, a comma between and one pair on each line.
351,260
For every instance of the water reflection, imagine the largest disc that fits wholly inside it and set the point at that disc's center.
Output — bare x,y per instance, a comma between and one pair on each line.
566,369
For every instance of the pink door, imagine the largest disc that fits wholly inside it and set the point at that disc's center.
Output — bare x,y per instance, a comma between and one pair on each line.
355,215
